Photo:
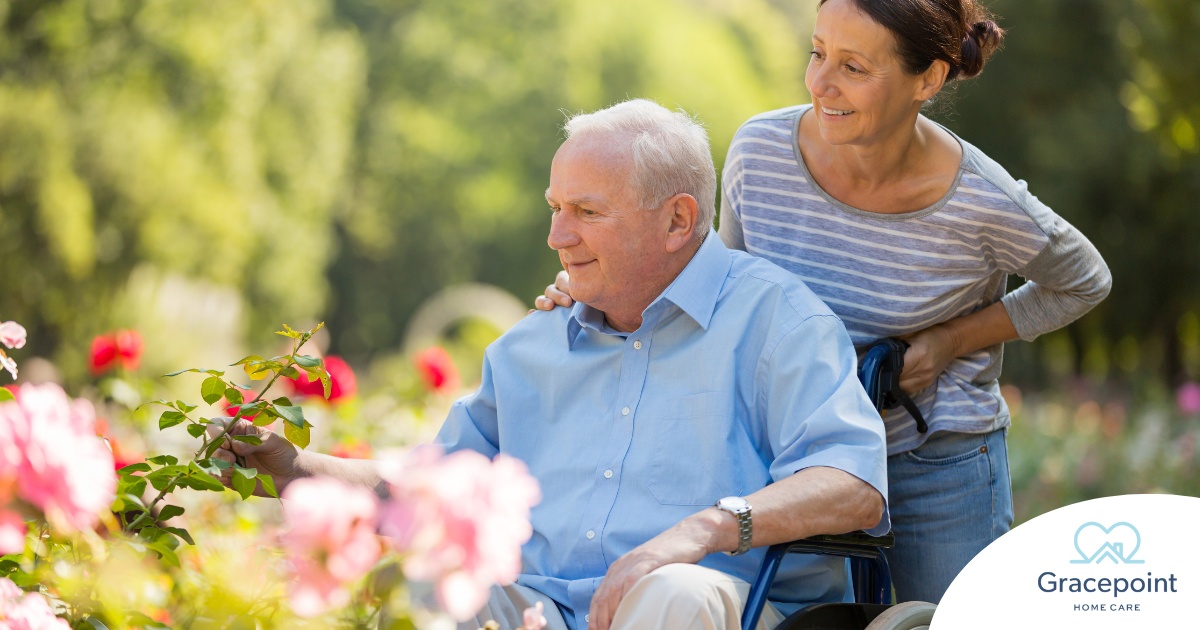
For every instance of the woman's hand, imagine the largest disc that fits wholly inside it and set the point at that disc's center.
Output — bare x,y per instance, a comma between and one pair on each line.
556,294
929,352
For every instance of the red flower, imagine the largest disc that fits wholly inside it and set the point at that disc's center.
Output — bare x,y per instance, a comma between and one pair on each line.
351,449
124,346
129,348
437,370
104,354
342,382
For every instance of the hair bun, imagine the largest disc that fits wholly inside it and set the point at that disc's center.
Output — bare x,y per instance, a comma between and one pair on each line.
981,40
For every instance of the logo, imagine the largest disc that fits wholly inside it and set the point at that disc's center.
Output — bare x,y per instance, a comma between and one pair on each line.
1117,543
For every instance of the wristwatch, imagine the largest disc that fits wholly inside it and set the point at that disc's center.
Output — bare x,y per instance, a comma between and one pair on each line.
740,509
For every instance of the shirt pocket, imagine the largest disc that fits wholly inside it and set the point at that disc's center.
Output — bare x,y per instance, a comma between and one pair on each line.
697,444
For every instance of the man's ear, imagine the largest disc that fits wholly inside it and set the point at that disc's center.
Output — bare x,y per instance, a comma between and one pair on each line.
684,211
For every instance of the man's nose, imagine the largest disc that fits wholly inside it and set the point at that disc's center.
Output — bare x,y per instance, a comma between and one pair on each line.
562,233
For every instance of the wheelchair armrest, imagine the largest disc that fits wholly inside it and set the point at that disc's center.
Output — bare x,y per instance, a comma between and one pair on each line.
852,545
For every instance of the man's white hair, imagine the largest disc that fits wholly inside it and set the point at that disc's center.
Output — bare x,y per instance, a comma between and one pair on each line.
669,149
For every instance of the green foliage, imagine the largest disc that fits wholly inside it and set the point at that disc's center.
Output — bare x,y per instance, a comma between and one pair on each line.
166,474
463,115
204,139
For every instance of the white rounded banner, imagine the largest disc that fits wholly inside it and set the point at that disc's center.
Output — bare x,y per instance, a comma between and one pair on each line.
1116,562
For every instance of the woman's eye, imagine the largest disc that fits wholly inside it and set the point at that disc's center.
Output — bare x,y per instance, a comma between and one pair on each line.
852,70
815,55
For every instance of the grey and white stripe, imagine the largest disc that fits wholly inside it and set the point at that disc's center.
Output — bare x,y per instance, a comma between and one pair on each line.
887,275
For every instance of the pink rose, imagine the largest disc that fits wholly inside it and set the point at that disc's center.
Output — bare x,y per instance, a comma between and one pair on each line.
330,541
12,335
129,348
103,356
1187,397
12,533
49,447
7,363
460,520
26,611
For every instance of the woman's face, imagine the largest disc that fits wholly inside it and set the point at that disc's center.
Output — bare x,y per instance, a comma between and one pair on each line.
860,91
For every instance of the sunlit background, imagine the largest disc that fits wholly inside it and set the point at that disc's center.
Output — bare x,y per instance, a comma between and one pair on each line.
201,172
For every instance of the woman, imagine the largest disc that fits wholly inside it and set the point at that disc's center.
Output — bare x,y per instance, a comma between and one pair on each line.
907,231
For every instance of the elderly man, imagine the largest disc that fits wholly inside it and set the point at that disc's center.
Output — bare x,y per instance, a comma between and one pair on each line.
694,404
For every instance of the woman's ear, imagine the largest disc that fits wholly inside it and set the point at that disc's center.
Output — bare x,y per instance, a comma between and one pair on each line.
932,80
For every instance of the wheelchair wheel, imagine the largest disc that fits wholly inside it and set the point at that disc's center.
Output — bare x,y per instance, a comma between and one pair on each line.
906,616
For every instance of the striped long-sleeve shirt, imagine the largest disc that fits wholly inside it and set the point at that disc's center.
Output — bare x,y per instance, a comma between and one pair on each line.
891,274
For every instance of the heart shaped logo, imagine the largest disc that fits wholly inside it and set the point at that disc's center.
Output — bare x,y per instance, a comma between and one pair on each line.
1117,543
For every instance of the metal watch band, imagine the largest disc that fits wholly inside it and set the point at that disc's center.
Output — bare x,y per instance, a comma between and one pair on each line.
741,511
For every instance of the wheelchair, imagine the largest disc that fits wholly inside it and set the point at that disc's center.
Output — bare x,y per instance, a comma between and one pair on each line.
879,372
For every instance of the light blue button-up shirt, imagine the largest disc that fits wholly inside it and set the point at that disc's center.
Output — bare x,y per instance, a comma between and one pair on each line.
737,377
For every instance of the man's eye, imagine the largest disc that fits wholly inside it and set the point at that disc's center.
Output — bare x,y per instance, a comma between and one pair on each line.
852,69
587,212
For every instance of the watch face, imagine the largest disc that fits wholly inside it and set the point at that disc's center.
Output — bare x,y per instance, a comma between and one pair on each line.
733,504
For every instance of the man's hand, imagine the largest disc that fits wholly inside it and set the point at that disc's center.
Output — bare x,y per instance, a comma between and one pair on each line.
558,293
689,541
275,456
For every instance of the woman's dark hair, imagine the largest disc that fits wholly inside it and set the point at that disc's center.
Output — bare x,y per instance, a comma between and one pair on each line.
959,32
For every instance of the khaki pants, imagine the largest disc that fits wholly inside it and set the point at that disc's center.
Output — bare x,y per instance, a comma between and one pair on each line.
674,596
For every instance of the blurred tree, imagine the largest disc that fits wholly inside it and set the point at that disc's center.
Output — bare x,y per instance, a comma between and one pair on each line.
1053,109
464,112
204,139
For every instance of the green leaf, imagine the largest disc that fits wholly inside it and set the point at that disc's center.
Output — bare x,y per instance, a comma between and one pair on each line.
212,389
290,372
326,383
248,439
245,360
268,484
169,419
288,332
6,395
303,360
182,533
163,460
282,400
248,473
195,430
96,623
296,435
167,553
244,486
294,415
180,372
198,479
234,395
169,512
135,486
138,467
212,465
258,370
184,407
161,478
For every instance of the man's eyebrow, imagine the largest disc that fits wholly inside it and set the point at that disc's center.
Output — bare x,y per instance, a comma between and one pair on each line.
586,200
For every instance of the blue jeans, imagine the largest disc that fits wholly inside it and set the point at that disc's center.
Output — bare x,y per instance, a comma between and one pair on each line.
949,498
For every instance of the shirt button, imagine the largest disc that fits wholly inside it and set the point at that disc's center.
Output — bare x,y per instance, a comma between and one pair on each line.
637,345
587,617
625,411
591,534
608,474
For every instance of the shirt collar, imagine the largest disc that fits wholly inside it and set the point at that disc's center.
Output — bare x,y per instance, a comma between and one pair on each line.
695,291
